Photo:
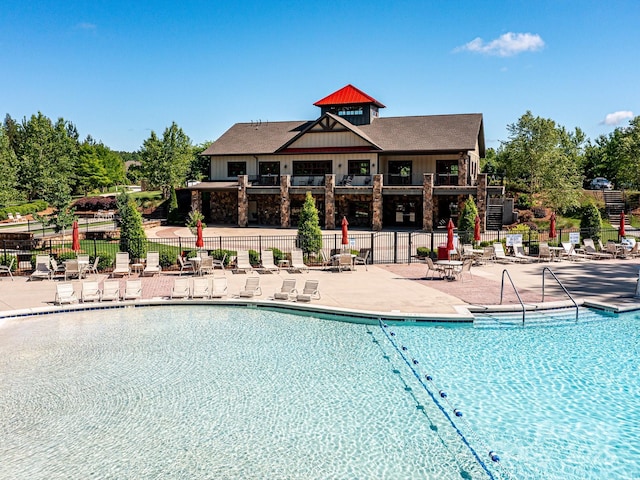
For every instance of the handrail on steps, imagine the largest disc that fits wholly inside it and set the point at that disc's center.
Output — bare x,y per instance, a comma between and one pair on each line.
514,289
561,286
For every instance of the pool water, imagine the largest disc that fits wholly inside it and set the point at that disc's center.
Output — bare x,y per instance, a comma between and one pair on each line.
200,392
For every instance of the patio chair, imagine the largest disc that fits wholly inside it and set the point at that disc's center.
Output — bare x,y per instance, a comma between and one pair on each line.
589,249
243,263
84,264
309,292
42,269
11,217
18,217
219,263
502,257
152,264
132,290
93,267
72,269
267,264
219,287
362,258
7,268
122,265
432,269
180,288
345,262
571,254
488,255
206,265
185,265
324,261
287,291
65,294
201,288
465,268
297,262
110,290
544,252
613,249
56,268
251,288
90,291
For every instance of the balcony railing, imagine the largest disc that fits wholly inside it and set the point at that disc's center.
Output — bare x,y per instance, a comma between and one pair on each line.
271,180
396,179
443,179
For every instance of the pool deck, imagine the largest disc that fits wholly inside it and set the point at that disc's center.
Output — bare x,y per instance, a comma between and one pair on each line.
399,290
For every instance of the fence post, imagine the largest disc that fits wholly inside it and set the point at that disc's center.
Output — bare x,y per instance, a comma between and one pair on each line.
371,247
410,242
395,247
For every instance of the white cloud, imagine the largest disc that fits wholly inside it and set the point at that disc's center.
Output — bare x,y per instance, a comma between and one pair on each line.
86,26
616,118
505,45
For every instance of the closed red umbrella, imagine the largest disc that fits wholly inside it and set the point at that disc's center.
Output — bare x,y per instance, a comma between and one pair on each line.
199,240
345,232
75,236
621,231
552,226
450,227
476,230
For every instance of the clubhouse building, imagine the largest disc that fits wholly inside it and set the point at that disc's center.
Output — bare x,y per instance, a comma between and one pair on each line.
408,172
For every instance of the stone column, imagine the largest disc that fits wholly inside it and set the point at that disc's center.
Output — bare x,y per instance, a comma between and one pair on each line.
463,166
376,200
329,201
243,201
481,200
285,201
427,202
196,200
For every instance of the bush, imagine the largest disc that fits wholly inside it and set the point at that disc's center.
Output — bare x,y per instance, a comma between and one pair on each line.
523,201
309,233
106,261
24,209
168,259
467,221
254,257
591,222
525,216
220,254
423,252
7,261
278,255
93,204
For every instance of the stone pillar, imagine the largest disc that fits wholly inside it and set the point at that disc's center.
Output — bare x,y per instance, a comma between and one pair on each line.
376,200
463,169
481,200
196,200
243,201
329,201
285,201
427,202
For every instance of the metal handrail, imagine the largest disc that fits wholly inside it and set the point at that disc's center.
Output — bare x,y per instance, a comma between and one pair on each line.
514,289
561,286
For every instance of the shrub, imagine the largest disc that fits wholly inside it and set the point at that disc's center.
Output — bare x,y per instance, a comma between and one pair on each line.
94,204
106,261
278,255
591,222
220,254
168,259
467,221
309,233
525,216
423,251
523,201
132,237
24,209
254,257
6,261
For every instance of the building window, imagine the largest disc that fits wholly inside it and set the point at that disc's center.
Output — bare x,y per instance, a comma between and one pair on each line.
269,168
347,111
400,172
446,172
359,167
236,168
320,167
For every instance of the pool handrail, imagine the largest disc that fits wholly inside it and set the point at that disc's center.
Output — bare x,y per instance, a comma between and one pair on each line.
514,289
561,286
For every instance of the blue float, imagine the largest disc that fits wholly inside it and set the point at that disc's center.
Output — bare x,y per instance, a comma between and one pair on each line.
429,377
415,362
443,394
494,456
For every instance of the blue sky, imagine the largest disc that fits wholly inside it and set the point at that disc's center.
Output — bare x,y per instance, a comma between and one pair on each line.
121,69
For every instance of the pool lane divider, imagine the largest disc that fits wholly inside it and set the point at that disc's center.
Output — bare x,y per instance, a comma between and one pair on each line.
440,398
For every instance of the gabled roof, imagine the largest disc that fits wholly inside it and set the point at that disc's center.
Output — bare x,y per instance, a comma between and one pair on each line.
347,95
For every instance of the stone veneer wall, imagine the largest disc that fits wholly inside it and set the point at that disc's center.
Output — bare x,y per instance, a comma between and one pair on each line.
243,201
196,200
376,200
268,209
427,202
285,201
481,200
224,207
329,201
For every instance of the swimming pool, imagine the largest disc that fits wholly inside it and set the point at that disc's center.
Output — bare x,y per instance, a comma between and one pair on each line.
201,392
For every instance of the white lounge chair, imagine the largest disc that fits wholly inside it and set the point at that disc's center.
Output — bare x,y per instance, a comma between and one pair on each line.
18,217
267,262
297,261
110,290
132,290
287,291
7,268
90,292
251,288
93,268
219,287
42,269
242,262
501,256
201,288
180,288
310,291
152,264
65,294
122,265
590,249
11,217
518,250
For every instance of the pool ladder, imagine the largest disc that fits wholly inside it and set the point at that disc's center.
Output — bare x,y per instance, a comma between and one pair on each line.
545,269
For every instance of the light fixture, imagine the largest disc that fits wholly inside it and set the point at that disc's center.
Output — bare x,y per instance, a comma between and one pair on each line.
339,165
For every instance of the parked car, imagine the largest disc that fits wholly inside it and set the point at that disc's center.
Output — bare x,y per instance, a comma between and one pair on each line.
600,183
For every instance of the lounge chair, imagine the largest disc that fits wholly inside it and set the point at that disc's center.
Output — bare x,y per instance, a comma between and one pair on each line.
7,268
42,269
243,263
56,268
18,217
297,262
432,269
589,249
324,261
251,288
310,292
90,291
571,254
362,258
219,287
11,217
110,290
502,257
132,290
152,264
518,250
267,263
122,265
201,288
635,250
287,291
180,288
185,265
65,294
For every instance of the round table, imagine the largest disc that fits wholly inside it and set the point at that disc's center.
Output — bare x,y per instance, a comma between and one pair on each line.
449,266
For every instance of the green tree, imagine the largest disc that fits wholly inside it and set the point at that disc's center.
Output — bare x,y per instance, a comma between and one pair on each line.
192,221
591,222
467,221
165,162
173,215
200,165
132,237
90,170
309,233
9,169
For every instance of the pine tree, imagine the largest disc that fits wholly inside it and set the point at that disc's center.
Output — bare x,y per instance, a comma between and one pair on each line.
467,221
591,222
309,233
132,237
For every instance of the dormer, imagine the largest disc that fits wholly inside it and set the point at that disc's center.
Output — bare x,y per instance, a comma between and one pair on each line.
352,104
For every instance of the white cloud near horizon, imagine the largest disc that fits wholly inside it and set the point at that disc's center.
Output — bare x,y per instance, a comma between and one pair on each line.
616,118
506,45
86,26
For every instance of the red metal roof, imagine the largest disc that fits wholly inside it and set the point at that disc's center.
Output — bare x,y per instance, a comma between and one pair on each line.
347,95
